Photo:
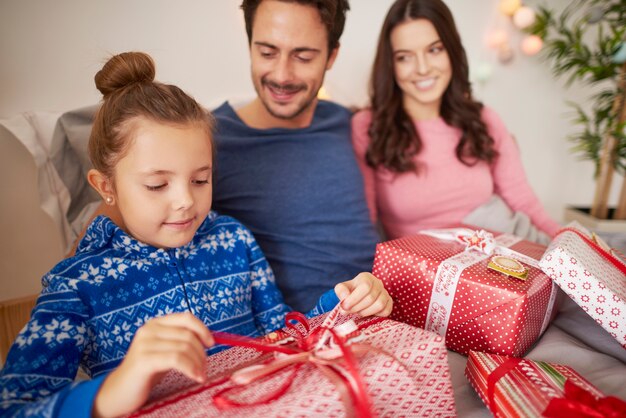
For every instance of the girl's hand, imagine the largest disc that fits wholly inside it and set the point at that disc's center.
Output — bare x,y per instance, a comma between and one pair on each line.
364,295
175,341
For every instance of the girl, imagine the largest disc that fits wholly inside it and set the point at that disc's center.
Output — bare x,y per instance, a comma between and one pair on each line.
430,153
136,302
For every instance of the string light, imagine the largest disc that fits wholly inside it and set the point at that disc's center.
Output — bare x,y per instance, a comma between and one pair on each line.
482,72
531,44
497,38
509,7
521,17
323,94
524,17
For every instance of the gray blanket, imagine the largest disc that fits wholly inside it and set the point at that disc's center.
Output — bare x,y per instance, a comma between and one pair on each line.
497,216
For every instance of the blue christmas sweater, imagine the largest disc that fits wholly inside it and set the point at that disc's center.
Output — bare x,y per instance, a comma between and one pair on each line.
92,304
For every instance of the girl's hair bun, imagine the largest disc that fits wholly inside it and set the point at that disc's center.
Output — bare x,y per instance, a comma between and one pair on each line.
123,70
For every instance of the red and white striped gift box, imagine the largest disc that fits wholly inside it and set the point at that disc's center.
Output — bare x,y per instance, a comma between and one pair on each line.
514,387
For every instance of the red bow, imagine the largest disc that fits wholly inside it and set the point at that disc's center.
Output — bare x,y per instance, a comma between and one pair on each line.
578,403
338,364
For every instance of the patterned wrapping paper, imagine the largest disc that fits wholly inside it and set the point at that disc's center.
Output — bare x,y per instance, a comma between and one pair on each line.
593,277
424,389
488,311
525,387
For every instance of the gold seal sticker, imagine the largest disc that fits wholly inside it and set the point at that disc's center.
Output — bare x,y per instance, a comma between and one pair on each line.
509,266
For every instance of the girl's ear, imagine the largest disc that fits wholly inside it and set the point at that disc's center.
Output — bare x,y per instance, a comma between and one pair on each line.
102,184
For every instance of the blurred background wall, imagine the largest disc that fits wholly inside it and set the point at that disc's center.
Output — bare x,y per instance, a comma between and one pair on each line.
50,51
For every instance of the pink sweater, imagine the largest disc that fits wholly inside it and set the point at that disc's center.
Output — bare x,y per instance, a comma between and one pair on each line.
445,190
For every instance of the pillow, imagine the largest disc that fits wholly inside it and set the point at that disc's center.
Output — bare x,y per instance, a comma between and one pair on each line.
70,157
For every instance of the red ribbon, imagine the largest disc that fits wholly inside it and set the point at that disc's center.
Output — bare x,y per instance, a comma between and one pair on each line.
493,378
341,370
605,254
578,403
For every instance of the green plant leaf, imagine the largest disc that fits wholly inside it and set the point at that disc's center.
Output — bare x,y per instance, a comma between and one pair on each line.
579,51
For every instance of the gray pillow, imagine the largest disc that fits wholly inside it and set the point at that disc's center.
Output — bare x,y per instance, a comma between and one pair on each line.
69,155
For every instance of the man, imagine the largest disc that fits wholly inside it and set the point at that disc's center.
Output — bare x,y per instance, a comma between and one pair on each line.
285,165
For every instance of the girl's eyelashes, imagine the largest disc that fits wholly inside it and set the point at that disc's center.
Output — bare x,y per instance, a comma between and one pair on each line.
155,188
162,186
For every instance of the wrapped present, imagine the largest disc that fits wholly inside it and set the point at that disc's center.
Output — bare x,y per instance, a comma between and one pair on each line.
514,387
482,292
592,274
358,367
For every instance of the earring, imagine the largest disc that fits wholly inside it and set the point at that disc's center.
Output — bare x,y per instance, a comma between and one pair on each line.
109,200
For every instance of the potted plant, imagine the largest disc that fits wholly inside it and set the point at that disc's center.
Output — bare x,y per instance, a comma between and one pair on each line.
586,42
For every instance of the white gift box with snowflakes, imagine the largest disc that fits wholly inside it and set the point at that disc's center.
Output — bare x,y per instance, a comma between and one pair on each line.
591,274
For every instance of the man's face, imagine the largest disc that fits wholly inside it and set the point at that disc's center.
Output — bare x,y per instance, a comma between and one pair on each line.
289,57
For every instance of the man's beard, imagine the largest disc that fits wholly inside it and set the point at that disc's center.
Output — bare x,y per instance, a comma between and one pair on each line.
287,88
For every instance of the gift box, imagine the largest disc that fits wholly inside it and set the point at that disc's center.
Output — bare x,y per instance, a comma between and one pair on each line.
403,369
514,387
591,274
441,280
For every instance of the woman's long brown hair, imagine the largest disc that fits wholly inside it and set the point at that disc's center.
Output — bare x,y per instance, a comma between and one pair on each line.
394,139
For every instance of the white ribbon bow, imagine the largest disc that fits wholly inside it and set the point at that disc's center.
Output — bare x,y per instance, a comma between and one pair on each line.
482,241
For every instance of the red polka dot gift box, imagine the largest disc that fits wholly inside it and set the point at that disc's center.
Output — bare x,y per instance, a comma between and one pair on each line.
513,387
591,274
353,367
483,291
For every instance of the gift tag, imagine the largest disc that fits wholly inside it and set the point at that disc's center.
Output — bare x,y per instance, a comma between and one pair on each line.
601,243
606,247
509,266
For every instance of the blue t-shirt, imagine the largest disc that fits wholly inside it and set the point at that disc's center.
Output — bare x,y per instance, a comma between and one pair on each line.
301,194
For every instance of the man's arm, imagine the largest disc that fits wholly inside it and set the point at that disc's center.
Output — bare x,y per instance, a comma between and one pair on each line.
110,211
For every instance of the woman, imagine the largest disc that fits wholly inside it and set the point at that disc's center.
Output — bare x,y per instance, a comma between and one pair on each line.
431,155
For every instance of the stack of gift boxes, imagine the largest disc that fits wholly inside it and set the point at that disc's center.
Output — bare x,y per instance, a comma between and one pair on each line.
487,295
492,296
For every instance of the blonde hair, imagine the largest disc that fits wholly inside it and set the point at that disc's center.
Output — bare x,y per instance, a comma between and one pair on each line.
129,92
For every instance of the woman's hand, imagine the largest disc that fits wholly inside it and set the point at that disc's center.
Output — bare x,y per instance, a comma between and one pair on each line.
364,295
175,341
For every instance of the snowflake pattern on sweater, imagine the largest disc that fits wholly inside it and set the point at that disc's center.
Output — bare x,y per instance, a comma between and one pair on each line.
92,304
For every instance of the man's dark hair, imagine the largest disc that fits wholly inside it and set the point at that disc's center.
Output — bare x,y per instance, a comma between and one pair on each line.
332,13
